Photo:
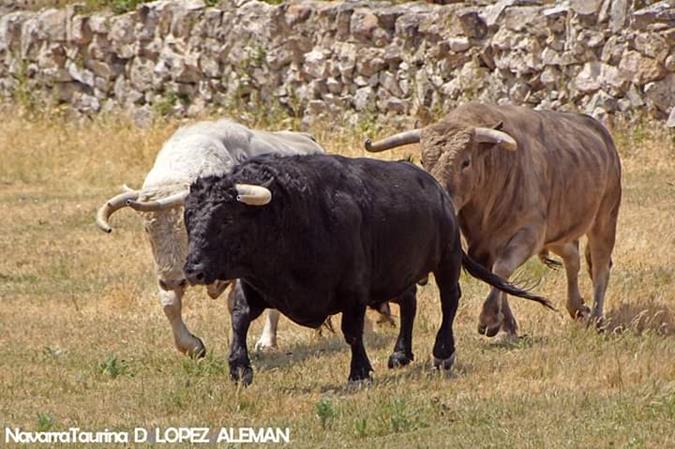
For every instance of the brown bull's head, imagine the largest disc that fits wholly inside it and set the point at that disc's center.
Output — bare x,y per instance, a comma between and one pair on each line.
451,153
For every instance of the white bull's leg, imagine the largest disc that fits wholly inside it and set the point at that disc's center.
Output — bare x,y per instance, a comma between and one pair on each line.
268,338
185,342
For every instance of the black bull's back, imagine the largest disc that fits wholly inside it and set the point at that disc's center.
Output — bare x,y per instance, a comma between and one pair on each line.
379,226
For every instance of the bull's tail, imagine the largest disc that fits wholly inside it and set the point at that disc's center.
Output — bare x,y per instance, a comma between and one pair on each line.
479,272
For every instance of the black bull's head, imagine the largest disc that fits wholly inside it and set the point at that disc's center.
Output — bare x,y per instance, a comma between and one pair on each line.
216,215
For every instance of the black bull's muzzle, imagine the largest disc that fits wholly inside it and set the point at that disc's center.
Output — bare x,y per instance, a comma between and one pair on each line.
195,273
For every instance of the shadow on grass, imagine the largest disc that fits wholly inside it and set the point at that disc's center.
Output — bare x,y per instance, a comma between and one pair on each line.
418,370
502,342
640,319
329,343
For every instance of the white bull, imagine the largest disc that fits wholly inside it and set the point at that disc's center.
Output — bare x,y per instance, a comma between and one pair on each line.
201,149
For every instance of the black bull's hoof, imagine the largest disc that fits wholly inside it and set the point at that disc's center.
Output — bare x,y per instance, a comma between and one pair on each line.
445,364
399,359
357,375
242,374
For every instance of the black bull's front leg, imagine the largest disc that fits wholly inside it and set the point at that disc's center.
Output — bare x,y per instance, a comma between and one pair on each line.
403,354
246,307
352,327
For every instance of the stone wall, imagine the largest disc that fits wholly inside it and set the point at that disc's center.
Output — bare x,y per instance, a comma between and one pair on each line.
317,59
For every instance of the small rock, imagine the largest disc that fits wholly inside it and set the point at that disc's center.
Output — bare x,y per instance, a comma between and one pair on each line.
297,13
670,123
316,107
209,66
363,98
472,23
333,85
65,92
370,62
141,73
459,44
660,12
595,75
143,116
550,77
528,19
640,69
363,24
519,92
661,94
634,97
585,7
652,45
592,38
315,64
85,103
670,62
617,15
395,105
99,24
388,81
80,74
197,106
52,24
613,50
600,115
79,31
602,100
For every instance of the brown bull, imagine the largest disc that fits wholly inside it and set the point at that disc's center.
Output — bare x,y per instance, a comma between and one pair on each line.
523,183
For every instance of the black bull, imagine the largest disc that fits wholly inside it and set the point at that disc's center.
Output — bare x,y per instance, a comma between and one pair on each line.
328,235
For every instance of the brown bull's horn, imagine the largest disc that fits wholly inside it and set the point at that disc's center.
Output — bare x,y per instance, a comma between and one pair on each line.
113,204
489,135
404,138
253,195
175,200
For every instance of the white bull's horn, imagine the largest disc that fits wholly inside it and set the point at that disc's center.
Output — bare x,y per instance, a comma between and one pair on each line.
489,135
175,200
404,138
113,204
253,195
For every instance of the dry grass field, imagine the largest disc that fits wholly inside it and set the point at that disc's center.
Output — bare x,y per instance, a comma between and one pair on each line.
83,340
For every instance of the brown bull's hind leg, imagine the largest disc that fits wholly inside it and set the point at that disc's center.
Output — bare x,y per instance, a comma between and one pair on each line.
569,253
589,262
600,245
496,313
